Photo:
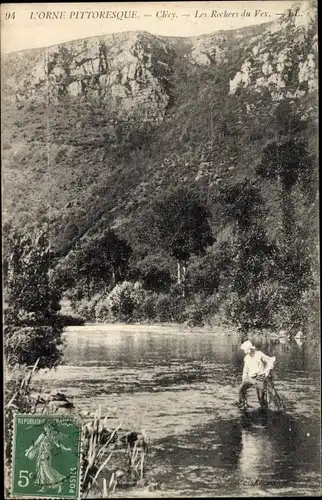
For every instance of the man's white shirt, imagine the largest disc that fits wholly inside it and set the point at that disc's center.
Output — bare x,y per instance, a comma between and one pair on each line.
257,364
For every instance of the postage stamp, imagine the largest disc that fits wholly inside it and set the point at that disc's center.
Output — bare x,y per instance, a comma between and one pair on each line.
46,456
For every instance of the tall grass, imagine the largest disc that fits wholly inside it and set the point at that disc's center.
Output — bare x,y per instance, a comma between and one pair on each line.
110,457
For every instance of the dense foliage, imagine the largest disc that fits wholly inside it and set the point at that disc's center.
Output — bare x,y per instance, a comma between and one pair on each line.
244,254
32,326
213,210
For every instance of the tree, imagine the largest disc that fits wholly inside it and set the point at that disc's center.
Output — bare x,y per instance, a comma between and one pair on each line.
179,224
204,274
32,327
287,162
155,279
254,261
242,203
98,262
153,270
286,159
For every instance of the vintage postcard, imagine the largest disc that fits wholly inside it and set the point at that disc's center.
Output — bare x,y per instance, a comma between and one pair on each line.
160,242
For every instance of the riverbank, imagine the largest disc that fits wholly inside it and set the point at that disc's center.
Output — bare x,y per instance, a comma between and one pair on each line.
220,331
218,325
176,328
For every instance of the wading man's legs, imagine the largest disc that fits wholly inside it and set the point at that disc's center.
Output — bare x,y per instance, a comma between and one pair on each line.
246,384
261,390
260,384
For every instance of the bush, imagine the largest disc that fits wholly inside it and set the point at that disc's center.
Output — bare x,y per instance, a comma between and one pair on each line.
103,311
32,327
69,320
75,295
163,307
86,308
262,307
147,309
203,275
169,307
125,300
24,345
200,310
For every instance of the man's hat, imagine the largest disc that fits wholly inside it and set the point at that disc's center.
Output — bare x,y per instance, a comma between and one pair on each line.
247,345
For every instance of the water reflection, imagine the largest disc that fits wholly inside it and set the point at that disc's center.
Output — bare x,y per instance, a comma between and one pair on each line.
278,449
256,455
299,342
263,449
263,445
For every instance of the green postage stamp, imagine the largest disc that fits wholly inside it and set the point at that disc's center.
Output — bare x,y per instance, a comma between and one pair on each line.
46,456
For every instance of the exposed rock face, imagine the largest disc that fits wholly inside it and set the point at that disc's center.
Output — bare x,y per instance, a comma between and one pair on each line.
128,70
282,60
94,165
131,72
206,50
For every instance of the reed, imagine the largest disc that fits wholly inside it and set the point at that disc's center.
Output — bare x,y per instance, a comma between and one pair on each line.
18,398
109,456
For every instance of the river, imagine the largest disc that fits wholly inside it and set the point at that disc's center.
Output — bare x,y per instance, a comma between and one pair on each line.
180,386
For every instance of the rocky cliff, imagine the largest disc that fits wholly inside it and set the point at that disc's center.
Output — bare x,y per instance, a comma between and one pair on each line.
133,71
97,127
282,59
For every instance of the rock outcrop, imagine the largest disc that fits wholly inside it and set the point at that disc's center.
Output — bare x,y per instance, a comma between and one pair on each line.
127,70
131,72
97,128
283,59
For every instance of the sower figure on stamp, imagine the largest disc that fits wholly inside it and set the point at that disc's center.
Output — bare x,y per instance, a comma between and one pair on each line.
41,451
256,373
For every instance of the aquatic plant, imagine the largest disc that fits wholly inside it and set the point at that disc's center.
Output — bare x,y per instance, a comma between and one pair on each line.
109,456
18,398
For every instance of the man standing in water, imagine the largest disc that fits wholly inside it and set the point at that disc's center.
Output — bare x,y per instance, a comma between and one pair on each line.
257,367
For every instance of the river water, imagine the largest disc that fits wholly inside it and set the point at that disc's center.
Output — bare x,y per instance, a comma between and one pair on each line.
180,386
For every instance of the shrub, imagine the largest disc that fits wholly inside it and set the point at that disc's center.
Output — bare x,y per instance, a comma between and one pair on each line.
32,327
169,307
200,310
125,299
261,306
163,307
86,308
103,310
26,344
147,309
203,275
75,295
